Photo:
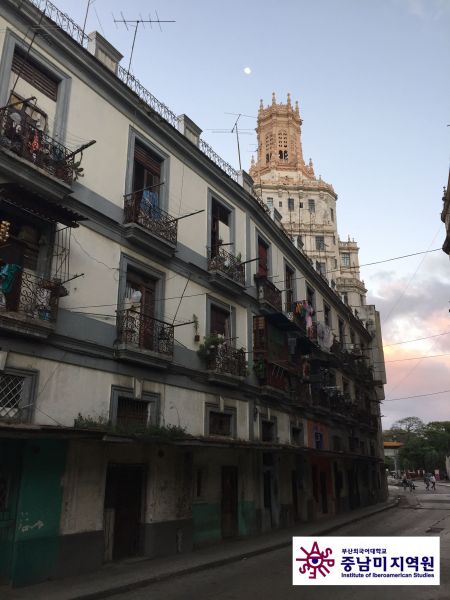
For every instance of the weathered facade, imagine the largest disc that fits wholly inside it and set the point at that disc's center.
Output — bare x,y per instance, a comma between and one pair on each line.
173,370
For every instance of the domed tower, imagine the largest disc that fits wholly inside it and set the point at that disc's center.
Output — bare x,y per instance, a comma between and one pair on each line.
305,204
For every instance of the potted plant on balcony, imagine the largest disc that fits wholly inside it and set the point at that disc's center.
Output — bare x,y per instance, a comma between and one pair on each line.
209,346
196,326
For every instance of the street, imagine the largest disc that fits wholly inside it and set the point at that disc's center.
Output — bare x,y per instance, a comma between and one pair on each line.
268,576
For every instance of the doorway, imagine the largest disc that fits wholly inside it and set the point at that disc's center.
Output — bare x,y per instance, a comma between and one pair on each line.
323,492
229,502
123,511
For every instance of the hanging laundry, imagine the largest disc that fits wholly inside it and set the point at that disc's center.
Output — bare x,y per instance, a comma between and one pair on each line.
8,274
35,144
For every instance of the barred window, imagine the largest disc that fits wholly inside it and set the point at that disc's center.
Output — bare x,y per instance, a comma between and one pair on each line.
220,423
12,388
132,413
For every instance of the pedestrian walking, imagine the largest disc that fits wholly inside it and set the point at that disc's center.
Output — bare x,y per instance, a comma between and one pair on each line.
404,482
426,481
433,482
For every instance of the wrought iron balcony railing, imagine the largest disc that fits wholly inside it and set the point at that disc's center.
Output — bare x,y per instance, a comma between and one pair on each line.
226,360
30,296
19,135
268,292
154,219
226,263
145,332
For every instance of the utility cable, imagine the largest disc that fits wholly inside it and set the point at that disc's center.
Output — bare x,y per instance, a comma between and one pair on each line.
417,396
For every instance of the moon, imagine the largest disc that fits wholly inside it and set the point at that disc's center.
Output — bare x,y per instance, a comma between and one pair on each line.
247,71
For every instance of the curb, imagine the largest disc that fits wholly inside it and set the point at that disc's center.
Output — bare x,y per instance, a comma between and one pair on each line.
128,587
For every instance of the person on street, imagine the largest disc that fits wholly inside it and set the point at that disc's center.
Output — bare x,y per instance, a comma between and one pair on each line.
404,482
433,482
426,481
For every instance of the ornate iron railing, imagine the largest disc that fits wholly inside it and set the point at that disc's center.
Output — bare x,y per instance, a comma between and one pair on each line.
152,218
31,296
227,360
145,332
268,292
65,23
218,160
19,135
227,263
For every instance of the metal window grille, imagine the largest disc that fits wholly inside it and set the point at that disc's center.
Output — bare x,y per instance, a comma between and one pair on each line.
219,423
132,413
11,392
267,431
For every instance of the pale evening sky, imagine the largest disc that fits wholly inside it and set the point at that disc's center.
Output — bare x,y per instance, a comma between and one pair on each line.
372,80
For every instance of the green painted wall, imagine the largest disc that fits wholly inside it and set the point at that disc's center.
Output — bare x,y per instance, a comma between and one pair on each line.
207,523
10,452
39,511
247,518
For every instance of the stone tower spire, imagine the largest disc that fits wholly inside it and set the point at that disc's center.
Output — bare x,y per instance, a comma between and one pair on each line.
279,139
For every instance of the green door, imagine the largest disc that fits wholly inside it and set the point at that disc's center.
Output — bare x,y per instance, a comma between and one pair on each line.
9,476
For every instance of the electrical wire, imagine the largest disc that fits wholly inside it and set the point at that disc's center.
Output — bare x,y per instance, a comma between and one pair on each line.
416,339
415,358
417,396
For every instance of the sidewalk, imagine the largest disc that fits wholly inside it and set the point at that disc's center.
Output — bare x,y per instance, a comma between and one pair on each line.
128,575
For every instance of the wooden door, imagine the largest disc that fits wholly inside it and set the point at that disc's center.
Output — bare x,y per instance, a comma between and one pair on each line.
263,267
229,502
143,317
123,508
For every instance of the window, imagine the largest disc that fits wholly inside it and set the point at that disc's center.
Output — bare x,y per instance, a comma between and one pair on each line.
345,298
220,321
268,430
332,214
311,296
220,227
327,314
320,243
147,175
334,240
269,202
219,423
341,329
318,440
16,395
311,205
321,268
300,204
280,204
289,287
132,414
291,204
296,435
345,259
337,443
263,258
29,70
352,336
362,299
335,263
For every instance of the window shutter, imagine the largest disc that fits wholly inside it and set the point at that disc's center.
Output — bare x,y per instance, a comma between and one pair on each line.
147,160
31,72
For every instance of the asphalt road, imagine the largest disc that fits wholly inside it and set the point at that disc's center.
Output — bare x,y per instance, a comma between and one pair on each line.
268,576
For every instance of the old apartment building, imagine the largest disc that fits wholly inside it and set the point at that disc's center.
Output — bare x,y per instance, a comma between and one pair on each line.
173,369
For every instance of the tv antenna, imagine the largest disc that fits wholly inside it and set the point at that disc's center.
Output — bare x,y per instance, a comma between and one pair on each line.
135,23
235,129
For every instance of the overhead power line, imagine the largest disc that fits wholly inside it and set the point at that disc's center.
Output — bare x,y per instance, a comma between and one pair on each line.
416,358
416,339
417,396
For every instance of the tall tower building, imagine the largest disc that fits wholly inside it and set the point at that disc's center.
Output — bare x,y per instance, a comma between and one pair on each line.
305,203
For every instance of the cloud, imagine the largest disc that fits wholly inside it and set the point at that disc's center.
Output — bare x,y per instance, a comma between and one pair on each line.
415,305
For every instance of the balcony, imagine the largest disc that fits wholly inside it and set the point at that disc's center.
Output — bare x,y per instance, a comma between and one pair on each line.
149,226
269,295
143,339
226,270
226,365
28,304
19,135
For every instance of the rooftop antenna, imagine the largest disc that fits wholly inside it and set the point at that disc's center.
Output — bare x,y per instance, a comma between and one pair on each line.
236,130
136,23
